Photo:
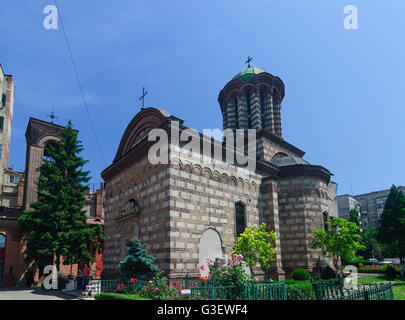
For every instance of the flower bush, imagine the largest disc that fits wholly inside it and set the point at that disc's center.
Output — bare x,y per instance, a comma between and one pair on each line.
231,274
156,289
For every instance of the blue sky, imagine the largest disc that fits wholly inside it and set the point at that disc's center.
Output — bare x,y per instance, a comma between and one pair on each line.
344,88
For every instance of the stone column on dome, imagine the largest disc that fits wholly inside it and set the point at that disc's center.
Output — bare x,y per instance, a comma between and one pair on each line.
255,111
268,112
224,115
231,114
277,114
242,112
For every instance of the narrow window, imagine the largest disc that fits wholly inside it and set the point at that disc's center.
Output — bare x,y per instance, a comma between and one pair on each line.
3,100
325,220
1,151
1,123
240,218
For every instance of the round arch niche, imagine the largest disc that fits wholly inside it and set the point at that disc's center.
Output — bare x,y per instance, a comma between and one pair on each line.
210,247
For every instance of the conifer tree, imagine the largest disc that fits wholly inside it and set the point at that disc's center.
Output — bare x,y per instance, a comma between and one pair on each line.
391,229
138,263
55,227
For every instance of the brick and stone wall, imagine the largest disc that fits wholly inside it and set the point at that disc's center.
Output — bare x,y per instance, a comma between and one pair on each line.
302,201
149,186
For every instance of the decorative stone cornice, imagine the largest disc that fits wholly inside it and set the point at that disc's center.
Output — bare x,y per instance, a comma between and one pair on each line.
38,129
305,170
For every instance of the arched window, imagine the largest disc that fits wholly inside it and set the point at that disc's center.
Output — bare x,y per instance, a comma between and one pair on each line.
325,220
47,150
240,218
2,255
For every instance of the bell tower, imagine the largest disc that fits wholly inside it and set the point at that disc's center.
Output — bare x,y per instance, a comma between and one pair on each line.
252,100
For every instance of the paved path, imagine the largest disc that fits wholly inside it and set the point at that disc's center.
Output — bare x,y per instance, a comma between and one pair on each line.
32,294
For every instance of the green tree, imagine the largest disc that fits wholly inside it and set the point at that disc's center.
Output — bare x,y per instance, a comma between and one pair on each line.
256,246
369,240
354,217
340,241
391,228
55,228
138,263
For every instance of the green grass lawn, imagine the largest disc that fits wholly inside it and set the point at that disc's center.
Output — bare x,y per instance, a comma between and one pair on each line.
398,285
399,292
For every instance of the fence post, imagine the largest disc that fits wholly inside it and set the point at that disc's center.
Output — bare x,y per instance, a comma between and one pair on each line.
366,296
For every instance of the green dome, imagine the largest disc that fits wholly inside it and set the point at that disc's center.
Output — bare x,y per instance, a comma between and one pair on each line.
248,73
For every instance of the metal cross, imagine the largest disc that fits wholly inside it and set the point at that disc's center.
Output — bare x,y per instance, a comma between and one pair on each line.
144,93
52,115
249,58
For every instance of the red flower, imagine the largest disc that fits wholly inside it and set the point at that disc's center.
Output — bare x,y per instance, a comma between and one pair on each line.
132,280
175,284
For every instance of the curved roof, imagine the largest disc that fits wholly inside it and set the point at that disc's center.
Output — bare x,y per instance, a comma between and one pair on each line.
288,161
248,73
138,128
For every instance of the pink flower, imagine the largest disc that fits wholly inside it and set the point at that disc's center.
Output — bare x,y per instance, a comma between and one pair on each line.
257,279
202,267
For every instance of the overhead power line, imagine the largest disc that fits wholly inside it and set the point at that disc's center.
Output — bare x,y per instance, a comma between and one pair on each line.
79,83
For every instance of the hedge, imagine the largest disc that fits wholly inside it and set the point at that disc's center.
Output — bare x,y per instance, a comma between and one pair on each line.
299,290
118,296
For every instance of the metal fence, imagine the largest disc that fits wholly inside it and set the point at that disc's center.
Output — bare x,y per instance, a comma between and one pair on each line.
258,291
334,290
368,292
186,283
108,285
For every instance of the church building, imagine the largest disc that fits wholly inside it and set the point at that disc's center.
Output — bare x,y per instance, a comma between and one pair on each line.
190,209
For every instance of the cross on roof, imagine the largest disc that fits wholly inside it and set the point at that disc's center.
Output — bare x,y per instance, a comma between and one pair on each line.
249,58
52,115
144,93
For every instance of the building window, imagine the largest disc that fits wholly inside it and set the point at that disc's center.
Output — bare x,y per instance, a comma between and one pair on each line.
1,123
325,220
240,218
13,179
3,100
1,151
